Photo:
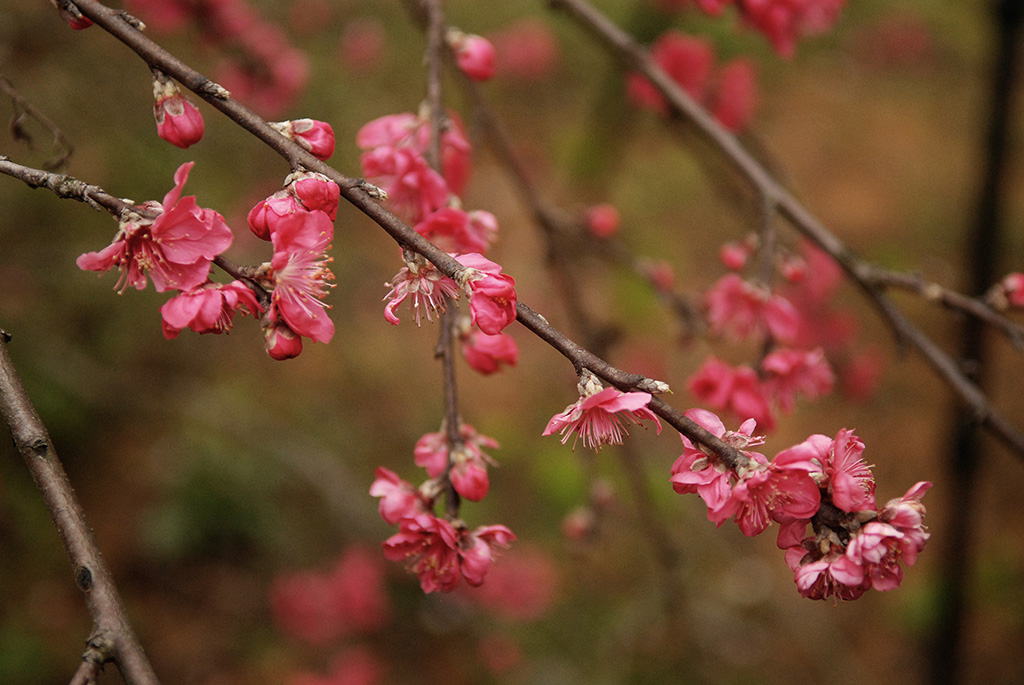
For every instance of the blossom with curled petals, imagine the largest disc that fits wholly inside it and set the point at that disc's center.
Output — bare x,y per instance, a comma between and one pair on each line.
598,415
209,308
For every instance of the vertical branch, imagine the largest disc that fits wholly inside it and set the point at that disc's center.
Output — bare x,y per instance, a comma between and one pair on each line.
113,631
982,251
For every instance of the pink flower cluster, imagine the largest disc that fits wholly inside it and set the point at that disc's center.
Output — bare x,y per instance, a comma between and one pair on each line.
438,550
175,249
298,222
393,158
319,607
783,22
730,94
821,482
257,64
600,413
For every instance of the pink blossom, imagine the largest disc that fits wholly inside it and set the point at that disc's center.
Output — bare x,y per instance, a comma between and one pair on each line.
488,354
788,372
1013,288
315,137
428,288
526,49
739,309
263,217
782,491
281,342
850,481
703,472
177,119
476,551
209,308
598,415
872,558
816,580
474,54
430,546
175,249
734,255
906,514
399,499
413,131
523,587
414,190
300,273
784,21
736,96
315,192
492,294
454,230
602,220
686,60
738,390
469,462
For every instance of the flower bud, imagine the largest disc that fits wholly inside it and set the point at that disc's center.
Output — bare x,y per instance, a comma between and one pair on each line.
316,137
474,54
177,119
281,342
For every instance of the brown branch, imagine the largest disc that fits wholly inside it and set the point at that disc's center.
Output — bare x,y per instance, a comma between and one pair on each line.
634,57
90,572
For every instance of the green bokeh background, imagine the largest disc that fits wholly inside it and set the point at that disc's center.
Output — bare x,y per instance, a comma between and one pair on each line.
206,468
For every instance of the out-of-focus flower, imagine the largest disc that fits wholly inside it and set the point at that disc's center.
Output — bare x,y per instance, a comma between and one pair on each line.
686,60
738,390
455,230
414,190
474,54
488,354
735,98
399,499
788,372
525,49
739,309
602,220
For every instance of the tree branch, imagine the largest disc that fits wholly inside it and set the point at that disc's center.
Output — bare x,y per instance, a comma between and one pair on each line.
91,574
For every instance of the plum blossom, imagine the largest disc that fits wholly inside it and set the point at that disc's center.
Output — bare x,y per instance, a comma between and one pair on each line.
315,137
468,473
474,54
413,131
488,354
492,294
686,60
175,249
440,554
424,283
209,308
701,472
739,309
738,390
782,491
281,342
735,98
300,274
455,230
177,119
399,499
788,372
413,189
304,191
598,415
602,220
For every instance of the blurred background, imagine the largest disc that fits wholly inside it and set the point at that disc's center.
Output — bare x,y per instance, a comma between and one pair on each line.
228,491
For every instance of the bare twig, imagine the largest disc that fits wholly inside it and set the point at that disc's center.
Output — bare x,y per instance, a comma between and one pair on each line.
23,108
90,571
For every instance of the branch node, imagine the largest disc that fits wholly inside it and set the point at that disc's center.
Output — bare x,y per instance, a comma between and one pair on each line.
654,387
373,191
99,648
83,578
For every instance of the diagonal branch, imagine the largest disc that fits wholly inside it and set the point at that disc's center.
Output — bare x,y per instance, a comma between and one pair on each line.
91,574
773,194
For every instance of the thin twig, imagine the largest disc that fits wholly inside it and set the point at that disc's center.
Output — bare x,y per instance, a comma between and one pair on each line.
22,107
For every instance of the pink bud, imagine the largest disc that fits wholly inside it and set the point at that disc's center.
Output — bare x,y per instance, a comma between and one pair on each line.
737,94
474,55
177,119
1013,286
734,255
602,220
282,342
316,137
